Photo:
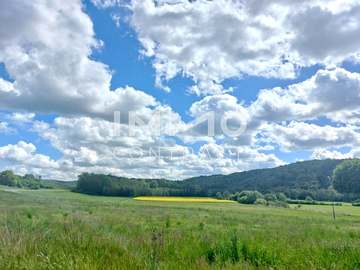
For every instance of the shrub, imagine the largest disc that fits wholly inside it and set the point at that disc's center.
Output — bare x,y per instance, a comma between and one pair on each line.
356,203
281,197
249,197
261,201
270,197
279,204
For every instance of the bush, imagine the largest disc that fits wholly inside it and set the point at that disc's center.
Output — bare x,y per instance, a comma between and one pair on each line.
249,197
270,197
261,201
278,204
281,197
255,197
356,203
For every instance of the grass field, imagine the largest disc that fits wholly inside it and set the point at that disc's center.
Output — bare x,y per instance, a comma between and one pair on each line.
54,229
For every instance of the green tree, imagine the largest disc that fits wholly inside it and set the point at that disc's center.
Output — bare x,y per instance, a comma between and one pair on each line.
281,197
347,176
270,197
249,197
8,178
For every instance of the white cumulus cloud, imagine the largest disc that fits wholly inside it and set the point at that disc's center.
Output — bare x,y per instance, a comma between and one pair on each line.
211,41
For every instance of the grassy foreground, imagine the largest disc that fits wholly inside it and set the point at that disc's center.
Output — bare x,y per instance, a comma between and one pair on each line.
52,229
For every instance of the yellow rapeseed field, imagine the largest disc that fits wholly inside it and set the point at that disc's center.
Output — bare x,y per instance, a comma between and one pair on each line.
181,199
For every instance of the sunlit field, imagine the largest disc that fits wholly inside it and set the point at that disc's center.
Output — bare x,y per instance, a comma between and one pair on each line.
54,229
181,199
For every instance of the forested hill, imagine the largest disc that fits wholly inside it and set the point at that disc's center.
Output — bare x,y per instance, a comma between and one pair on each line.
297,181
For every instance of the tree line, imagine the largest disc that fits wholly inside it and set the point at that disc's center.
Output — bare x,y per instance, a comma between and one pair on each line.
8,178
109,185
321,180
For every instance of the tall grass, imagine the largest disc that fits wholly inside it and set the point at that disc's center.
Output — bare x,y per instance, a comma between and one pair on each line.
64,230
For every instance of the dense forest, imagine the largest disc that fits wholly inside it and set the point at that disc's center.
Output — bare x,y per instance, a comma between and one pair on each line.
299,181
108,185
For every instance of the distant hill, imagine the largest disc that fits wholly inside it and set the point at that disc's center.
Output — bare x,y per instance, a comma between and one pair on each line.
298,180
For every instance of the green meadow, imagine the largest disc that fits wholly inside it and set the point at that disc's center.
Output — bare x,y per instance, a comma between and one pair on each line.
58,229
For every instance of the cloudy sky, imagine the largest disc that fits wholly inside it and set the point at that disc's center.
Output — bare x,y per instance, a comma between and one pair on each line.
286,73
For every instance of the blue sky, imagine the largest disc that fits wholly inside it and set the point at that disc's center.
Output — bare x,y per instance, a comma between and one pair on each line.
182,59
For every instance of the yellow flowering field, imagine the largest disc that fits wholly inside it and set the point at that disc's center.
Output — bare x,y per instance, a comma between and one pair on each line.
181,199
